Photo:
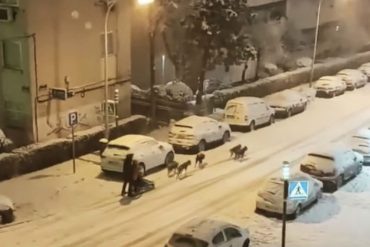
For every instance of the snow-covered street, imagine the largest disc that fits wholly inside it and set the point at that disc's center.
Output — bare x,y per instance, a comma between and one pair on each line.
56,208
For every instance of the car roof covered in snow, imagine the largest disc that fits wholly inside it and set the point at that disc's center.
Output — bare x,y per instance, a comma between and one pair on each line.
332,150
365,133
348,72
283,97
130,140
328,78
246,100
193,120
204,229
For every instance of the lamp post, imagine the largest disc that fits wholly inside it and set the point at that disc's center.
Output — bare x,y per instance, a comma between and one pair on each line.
149,3
109,5
316,39
285,177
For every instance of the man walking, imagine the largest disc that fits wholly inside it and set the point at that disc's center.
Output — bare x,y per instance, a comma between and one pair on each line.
127,173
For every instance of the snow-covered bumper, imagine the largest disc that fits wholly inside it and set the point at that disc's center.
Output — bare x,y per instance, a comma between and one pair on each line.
112,165
275,208
320,92
281,111
183,143
6,210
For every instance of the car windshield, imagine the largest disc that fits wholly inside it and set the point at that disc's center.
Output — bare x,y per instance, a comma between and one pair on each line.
183,126
319,165
119,147
273,187
179,240
362,137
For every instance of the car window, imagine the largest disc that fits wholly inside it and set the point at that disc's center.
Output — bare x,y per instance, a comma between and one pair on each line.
219,238
119,147
232,233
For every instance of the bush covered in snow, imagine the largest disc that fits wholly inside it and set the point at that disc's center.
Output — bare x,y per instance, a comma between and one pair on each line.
6,145
179,91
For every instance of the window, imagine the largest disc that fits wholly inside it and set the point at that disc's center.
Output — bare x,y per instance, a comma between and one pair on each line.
219,238
110,44
12,55
232,233
9,2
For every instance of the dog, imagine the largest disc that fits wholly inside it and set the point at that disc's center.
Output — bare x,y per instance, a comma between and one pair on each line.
199,159
241,153
234,150
182,169
172,168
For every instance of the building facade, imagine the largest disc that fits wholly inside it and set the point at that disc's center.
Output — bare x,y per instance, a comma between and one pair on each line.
60,44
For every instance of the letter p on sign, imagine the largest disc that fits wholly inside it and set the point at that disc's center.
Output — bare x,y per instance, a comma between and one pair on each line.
72,118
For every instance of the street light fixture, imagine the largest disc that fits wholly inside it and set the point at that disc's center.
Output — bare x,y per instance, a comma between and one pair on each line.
285,177
149,3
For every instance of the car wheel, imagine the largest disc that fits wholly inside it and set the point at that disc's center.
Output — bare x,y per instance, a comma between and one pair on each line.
333,94
318,195
339,182
297,211
202,146
272,120
359,169
252,126
226,137
6,216
142,169
246,243
169,158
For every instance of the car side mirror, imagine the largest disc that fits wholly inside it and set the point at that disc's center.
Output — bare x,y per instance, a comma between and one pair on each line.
161,147
219,126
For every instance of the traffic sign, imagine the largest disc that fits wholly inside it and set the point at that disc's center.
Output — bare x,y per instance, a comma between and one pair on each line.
72,118
298,190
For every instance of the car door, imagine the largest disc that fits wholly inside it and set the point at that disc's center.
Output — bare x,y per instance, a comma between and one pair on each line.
233,237
151,153
213,130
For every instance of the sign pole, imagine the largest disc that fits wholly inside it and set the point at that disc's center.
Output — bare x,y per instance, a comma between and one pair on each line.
286,184
73,149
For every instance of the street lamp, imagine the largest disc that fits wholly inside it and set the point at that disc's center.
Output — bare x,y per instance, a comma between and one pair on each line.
109,4
285,177
316,39
152,62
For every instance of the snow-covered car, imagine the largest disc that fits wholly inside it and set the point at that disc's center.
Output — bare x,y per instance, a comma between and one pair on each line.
209,233
6,210
270,197
248,112
365,69
330,86
195,132
332,165
353,78
360,142
148,152
287,103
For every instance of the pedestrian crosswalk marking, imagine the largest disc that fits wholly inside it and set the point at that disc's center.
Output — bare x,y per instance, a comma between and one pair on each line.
298,190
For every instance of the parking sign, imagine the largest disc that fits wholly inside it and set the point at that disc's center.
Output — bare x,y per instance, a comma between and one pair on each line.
72,118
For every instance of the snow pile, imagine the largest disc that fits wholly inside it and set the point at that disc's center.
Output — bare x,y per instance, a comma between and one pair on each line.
304,62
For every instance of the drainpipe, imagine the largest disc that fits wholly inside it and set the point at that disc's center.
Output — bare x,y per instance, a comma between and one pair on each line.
33,36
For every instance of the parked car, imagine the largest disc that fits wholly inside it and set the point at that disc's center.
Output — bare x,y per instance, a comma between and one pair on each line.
330,86
149,153
195,132
353,78
270,197
360,142
365,69
287,103
332,165
6,210
209,233
248,112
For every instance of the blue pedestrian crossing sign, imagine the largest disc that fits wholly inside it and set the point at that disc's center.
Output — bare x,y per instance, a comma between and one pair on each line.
298,190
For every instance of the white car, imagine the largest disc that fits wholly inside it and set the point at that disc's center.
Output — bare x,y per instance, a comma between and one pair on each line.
330,86
332,165
6,210
209,233
197,132
365,69
353,78
287,103
149,153
270,197
248,112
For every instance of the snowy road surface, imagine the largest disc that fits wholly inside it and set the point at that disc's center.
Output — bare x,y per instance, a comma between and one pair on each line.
56,208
